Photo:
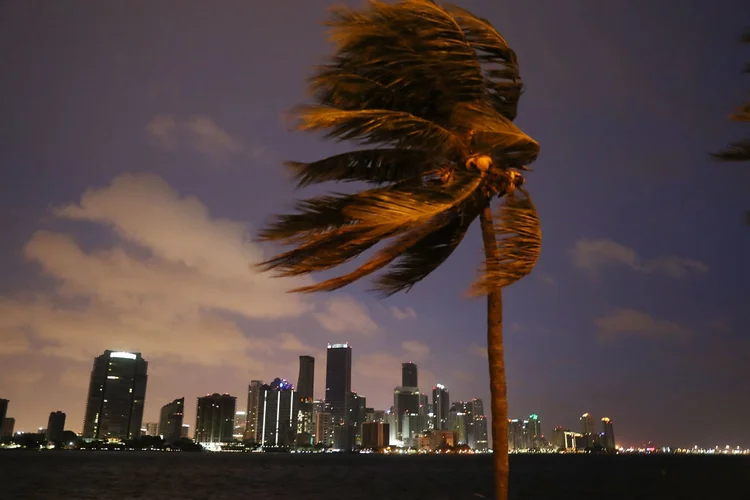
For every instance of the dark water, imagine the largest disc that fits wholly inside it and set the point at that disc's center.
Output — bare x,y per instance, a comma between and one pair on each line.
126,475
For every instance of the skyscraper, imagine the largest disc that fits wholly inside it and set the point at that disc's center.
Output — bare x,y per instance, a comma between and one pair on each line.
214,421
306,378
587,424
55,426
305,385
534,432
440,406
117,392
240,423
3,413
608,435
338,381
277,417
409,375
405,402
588,430
170,420
253,397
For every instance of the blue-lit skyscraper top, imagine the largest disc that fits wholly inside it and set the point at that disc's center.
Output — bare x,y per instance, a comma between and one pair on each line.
281,384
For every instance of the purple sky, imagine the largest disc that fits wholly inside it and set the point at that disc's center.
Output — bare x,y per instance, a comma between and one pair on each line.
140,145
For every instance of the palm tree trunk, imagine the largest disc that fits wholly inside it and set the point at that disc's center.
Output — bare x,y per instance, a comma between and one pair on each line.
498,385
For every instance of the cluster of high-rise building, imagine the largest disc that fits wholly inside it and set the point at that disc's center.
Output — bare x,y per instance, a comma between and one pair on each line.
526,435
280,415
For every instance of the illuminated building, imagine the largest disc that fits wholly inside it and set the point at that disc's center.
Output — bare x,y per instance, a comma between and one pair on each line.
515,435
533,432
185,432
587,424
355,410
116,395
277,418
338,380
305,385
405,401
253,397
55,426
608,435
375,435
442,439
150,429
170,420
558,438
440,406
588,430
323,428
214,421
240,423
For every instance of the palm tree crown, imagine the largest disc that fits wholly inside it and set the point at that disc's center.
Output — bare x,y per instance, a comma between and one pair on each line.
739,150
429,94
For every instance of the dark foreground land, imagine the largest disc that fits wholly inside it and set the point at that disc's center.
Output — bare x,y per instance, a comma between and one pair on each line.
143,475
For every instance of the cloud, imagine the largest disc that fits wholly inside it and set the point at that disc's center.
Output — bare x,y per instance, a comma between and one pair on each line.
176,284
402,314
593,255
417,349
199,133
632,322
343,314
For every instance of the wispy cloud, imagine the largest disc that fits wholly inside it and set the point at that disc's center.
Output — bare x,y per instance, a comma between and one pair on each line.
592,255
631,322
418,350
402,314
343,314
198,133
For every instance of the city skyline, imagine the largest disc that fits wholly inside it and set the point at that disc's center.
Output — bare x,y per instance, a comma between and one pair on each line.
218,419
142,152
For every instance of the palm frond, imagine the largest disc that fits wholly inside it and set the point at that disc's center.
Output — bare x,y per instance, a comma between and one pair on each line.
379,126
413,206
381,259
501,78
736,151
378,166
418,261
519,244
742,114
329,231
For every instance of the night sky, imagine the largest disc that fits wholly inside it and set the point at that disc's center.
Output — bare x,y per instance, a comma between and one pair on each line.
140,149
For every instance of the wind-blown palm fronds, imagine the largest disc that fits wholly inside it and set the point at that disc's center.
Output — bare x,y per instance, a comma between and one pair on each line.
738,150
519,244
431,92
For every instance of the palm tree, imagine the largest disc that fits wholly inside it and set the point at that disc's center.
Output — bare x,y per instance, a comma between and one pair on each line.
739,150
431,93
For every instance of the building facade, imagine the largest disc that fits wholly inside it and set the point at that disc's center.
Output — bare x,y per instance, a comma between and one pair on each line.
171,419
214,421
608,435
116,395
55,427
305,387
277,419
338,380
409,375
440,406
375,435
253,398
